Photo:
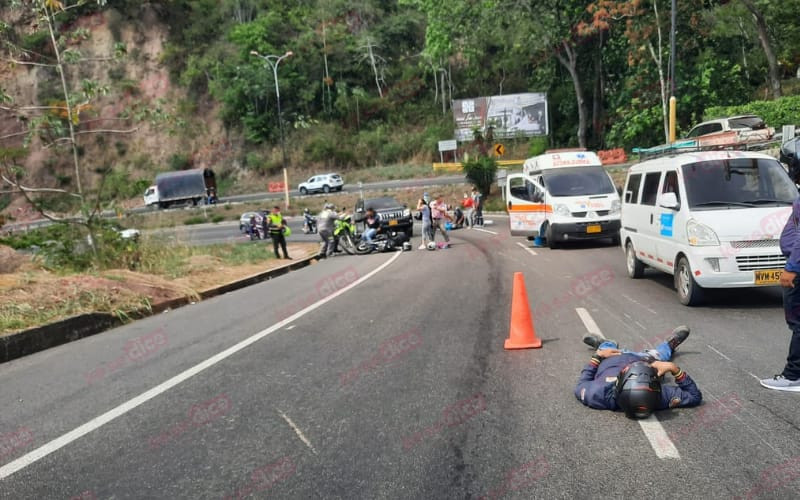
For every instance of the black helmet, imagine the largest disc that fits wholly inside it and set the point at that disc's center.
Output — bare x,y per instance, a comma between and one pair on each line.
638,390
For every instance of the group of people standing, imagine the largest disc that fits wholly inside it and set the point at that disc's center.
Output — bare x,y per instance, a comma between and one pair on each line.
435,213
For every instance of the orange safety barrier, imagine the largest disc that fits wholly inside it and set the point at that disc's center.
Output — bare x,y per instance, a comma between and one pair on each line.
612,156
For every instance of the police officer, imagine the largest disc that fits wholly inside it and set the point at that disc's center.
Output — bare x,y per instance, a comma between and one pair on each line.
622,380
789,379
276,228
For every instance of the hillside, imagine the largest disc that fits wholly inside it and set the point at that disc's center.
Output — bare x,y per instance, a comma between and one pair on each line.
368,83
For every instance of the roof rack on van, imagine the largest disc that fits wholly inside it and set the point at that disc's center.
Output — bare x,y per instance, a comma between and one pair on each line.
564,150
691,146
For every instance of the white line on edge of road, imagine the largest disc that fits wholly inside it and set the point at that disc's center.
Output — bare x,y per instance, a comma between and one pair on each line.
97,422
484,230
527,249
297,431
653,430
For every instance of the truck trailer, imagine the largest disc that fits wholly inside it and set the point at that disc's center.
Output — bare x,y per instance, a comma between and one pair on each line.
182,186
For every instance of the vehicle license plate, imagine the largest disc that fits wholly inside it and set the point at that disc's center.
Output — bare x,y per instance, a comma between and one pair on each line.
594,228
392,222
767,276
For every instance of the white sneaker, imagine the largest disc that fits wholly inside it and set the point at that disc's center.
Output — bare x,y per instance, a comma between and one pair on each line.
421,247
781,383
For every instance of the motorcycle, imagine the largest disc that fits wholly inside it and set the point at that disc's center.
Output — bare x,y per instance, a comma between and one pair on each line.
382,242
344,231
309,224
257,229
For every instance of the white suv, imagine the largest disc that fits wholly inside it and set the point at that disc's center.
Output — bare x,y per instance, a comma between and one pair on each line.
713,220
324,182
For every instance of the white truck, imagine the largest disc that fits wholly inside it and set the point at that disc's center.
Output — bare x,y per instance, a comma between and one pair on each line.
182,186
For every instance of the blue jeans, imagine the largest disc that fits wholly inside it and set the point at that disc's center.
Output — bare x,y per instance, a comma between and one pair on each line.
662,352
369,234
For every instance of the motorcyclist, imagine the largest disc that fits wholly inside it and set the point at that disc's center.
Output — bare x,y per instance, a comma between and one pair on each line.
629,381
372,226
308,221
326,220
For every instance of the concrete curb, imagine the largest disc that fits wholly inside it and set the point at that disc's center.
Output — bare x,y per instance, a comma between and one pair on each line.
44,337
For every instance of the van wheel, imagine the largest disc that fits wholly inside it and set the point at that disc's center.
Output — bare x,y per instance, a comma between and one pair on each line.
326,189
303,191
635,266
550,237
689,292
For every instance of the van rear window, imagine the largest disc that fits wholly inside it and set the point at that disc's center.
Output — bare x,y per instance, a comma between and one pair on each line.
632,189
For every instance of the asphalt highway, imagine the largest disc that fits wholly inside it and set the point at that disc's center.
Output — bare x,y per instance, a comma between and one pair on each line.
385,376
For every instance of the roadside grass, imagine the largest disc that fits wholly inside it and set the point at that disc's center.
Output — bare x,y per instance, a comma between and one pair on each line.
166,269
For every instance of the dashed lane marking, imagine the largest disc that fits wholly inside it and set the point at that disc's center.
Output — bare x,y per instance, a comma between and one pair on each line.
527,249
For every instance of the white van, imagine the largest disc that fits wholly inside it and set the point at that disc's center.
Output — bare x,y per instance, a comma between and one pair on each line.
563,196
711,219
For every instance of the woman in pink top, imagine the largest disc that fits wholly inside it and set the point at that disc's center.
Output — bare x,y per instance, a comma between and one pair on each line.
438,213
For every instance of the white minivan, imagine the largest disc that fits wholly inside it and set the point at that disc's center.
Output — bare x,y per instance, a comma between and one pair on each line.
711,219
562,196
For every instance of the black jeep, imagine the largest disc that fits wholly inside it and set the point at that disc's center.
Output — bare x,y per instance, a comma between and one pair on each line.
395,216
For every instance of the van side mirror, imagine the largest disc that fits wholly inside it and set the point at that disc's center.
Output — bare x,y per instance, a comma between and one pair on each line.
670,201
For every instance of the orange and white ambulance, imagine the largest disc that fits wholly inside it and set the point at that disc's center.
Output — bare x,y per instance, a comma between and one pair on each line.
563,195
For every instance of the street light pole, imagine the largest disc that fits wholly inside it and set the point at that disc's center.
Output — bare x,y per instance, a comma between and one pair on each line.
274,61
673,102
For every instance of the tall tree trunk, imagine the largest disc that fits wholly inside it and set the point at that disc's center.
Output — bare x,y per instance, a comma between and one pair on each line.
763,37
597,95
570,62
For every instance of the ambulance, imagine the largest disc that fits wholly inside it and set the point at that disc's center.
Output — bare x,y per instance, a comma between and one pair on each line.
561,196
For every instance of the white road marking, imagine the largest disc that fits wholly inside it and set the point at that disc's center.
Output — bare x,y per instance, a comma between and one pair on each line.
298,432
716,351
754,376
99,421
290,327
483,230
652,428
527,249
658,438
591,326
639,304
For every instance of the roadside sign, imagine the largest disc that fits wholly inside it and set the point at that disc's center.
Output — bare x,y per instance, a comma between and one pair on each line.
276,187
451,145
499,149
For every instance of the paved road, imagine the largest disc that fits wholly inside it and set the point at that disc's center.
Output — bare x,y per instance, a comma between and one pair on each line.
384,376
242,198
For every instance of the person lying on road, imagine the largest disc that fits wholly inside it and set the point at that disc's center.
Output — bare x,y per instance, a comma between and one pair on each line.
627,381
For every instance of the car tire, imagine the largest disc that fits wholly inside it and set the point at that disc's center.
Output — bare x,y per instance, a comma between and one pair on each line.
634,266
326,189
303,191
339,188
689,292
550,237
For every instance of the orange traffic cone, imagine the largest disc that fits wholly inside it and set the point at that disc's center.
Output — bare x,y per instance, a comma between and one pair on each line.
522,334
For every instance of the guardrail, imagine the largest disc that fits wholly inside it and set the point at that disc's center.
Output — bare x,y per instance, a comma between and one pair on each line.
456,167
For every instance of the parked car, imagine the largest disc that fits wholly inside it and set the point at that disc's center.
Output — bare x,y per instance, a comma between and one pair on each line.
324,182
710,219
395,216
734,129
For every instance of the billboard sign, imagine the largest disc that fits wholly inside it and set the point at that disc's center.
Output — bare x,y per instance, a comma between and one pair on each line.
510,115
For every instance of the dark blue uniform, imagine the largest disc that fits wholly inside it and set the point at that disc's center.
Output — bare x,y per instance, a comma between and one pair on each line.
790,247
596,385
